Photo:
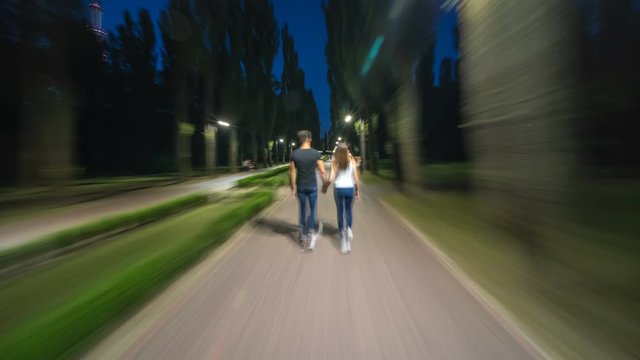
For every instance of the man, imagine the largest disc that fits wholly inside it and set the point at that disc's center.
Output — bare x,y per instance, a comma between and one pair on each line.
302,179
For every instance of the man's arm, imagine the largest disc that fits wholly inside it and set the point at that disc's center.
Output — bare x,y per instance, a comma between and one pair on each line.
292,177
323,172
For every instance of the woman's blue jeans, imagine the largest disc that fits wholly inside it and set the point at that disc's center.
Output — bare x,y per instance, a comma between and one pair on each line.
344,203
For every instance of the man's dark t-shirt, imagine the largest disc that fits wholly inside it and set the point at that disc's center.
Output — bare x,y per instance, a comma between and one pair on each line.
306,160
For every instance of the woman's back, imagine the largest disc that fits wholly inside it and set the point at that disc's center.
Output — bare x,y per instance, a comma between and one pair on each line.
344,177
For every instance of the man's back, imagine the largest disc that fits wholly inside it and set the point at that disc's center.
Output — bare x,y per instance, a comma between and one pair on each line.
306,163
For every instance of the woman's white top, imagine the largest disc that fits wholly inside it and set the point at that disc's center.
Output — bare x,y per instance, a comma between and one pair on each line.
344,178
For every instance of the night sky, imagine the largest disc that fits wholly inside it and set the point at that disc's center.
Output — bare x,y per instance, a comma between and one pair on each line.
306,24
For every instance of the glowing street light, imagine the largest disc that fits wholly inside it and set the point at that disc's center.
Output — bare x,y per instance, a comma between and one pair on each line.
348,118
223,123
339,139
293,144
337,143
281,140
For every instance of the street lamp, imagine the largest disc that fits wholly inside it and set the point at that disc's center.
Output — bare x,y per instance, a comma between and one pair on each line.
233,144
284,149
291,149
348,118
339,139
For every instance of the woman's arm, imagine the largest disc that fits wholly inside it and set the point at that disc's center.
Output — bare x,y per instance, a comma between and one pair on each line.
330,178
356,177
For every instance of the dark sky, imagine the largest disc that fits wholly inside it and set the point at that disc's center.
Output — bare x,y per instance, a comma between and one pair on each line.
306,23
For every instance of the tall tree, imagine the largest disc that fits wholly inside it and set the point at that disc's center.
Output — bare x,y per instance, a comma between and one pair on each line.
299,109
43,37
523,160
261,45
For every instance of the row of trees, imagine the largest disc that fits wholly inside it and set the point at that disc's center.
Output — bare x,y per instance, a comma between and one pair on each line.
129,104
382,69
543,95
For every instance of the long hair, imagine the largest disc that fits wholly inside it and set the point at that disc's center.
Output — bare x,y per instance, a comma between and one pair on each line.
341,156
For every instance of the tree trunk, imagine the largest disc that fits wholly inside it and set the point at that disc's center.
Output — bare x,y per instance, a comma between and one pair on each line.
408,129
183,135
518,101
233,150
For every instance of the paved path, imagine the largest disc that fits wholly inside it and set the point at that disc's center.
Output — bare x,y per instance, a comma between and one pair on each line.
32,227
260,297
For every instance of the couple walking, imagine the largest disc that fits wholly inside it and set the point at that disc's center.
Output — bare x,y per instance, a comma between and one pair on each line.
302,177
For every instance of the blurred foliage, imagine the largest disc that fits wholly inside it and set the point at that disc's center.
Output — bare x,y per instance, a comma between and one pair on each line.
68,237
117,107
271,178
111,280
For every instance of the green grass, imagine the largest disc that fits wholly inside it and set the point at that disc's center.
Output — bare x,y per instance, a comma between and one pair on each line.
446,176
441,176
275,177
53,311
582,298
68,237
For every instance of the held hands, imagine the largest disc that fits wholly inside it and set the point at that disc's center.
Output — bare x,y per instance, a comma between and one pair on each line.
325,186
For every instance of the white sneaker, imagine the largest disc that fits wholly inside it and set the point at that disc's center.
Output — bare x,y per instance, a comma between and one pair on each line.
350,233
314,236
312,243
343,242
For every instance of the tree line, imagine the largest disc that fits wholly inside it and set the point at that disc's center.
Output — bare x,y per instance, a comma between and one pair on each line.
141,101
381,69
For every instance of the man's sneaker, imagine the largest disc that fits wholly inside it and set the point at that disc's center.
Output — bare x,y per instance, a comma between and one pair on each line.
303,240
314,236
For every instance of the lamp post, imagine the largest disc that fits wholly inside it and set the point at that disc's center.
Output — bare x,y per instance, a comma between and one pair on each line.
233,145
284,149
362,125
363,144
275,144
291,150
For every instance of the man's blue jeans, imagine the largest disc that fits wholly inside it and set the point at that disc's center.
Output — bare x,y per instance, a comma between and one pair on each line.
307,195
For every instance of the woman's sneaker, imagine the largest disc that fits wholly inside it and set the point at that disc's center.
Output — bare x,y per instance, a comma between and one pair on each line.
343,242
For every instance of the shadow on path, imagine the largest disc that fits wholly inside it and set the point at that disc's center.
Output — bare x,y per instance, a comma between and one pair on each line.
280,227
332,234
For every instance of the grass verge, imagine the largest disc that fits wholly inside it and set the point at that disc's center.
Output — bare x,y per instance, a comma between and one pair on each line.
272,178
580,299
68,237
55,311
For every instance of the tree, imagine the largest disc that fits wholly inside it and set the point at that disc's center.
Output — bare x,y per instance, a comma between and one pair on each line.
523,160
42,37
299,110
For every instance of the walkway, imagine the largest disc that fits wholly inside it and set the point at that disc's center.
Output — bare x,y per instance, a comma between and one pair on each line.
29,228
260,297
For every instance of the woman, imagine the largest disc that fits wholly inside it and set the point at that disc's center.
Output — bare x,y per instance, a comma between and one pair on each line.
344,175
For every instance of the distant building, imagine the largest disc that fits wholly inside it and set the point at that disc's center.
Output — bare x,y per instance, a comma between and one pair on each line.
95,18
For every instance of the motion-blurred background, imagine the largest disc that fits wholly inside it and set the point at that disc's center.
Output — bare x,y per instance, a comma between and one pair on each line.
517,151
